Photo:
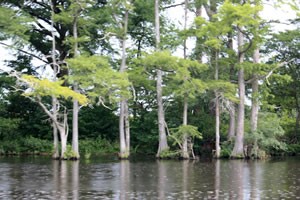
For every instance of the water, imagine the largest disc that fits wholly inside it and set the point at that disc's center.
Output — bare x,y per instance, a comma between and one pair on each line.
43,178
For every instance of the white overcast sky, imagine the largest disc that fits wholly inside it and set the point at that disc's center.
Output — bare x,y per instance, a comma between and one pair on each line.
270,13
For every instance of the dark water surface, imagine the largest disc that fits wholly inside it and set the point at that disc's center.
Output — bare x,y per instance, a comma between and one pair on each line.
43,178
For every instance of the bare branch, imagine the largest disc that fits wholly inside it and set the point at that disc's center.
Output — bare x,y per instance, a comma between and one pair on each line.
21,50
101,102
173,5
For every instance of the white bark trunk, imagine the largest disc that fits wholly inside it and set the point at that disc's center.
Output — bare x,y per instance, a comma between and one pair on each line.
239,140
75,131
161,115
122,153
55,133
185,151
63,141
124,128
217,144
218,148
231,130
255,101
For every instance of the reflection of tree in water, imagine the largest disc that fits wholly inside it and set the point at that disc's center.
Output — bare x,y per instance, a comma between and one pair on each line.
66,179
217,179
124,180
162,179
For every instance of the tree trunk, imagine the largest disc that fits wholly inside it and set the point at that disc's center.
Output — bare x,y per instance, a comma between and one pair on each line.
122,153
185,151
63,140
163,145
232,109
231,130
124,129
55,154
127,128
255,101
75,132
218,148
239,140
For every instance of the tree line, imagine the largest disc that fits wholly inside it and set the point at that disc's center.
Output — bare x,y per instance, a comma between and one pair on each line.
110,67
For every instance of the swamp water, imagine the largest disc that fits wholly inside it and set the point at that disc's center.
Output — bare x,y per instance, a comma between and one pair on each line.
42,178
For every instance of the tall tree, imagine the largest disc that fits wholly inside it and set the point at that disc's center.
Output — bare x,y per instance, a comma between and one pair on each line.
163,145
124,129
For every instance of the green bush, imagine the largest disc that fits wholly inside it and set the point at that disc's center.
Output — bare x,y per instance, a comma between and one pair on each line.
25,145
169,154
293,149
97,146
226,149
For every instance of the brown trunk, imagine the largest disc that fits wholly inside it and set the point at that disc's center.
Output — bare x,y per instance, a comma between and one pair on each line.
239,140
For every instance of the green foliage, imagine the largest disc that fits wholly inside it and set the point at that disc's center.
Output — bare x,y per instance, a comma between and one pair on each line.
162,60
267,137
69,153
95,76
169,154
293,149
12,24
45,87
178,134
97,146
226,149
8,126
27,145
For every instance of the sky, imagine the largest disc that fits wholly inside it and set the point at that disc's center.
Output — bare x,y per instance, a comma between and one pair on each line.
177,15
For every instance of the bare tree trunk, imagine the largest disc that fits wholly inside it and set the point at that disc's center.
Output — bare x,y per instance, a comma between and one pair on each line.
127,128
231,130
124,129
75,132
218,148
55,154
122,153
163,145
232,106
198,47
239,140
255,101
185,151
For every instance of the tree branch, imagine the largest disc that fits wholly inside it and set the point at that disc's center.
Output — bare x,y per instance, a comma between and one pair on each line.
21,50
173,5
248,37
270,72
